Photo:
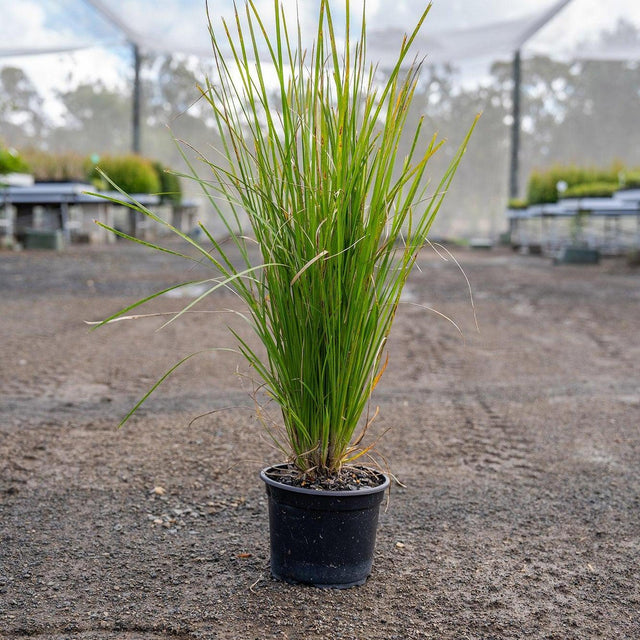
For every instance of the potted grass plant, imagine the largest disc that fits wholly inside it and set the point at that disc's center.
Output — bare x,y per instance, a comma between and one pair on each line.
310,152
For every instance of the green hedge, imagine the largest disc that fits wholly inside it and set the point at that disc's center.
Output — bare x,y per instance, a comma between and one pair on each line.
11,162
631,180
514,203
543,187
170,187
131,173
592,190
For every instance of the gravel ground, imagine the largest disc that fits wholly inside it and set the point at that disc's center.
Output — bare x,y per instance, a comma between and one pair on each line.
518,447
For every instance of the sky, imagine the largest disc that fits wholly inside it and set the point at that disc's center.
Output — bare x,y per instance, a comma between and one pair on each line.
180,25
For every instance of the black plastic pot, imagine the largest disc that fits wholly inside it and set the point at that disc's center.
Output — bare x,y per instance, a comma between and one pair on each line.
322,538
573,254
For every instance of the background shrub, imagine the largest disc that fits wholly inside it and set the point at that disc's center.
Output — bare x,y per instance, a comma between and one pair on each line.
133,174
542,188
515,203
170,186
631,179
592,190
11,162
543,185
56,167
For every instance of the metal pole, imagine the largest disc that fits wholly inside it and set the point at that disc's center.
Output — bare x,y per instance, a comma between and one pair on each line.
545,18
136,147
514,164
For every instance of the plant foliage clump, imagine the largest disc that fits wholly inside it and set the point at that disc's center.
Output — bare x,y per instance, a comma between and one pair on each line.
132,173
48,166
543,185
592,190
542,188
631,179
338,215
516,203
11,161
170,186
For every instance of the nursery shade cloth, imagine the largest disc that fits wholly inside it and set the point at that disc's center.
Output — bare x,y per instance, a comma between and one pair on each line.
488,40
457,30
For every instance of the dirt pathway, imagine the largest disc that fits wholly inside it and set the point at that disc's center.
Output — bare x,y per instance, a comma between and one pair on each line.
519,449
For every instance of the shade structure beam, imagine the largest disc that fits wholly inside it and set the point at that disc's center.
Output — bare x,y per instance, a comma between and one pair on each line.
514,156
136,41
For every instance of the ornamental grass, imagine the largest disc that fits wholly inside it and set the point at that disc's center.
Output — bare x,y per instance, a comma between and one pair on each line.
310,151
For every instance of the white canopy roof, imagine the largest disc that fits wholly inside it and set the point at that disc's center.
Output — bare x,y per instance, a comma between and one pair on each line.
457,30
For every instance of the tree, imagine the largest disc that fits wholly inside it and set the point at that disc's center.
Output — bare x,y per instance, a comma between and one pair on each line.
173,108
98,120
22,119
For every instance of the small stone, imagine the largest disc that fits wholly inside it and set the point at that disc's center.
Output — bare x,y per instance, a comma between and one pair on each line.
399,545
159,491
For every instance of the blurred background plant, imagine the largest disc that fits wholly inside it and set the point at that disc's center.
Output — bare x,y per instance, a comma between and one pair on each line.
67,166
577,182
170,184
11,161
592,190
131,173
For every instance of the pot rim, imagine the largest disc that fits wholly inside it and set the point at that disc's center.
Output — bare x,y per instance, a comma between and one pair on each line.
323,492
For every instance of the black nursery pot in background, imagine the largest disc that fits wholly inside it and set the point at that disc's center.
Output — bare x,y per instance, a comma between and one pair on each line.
322,538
